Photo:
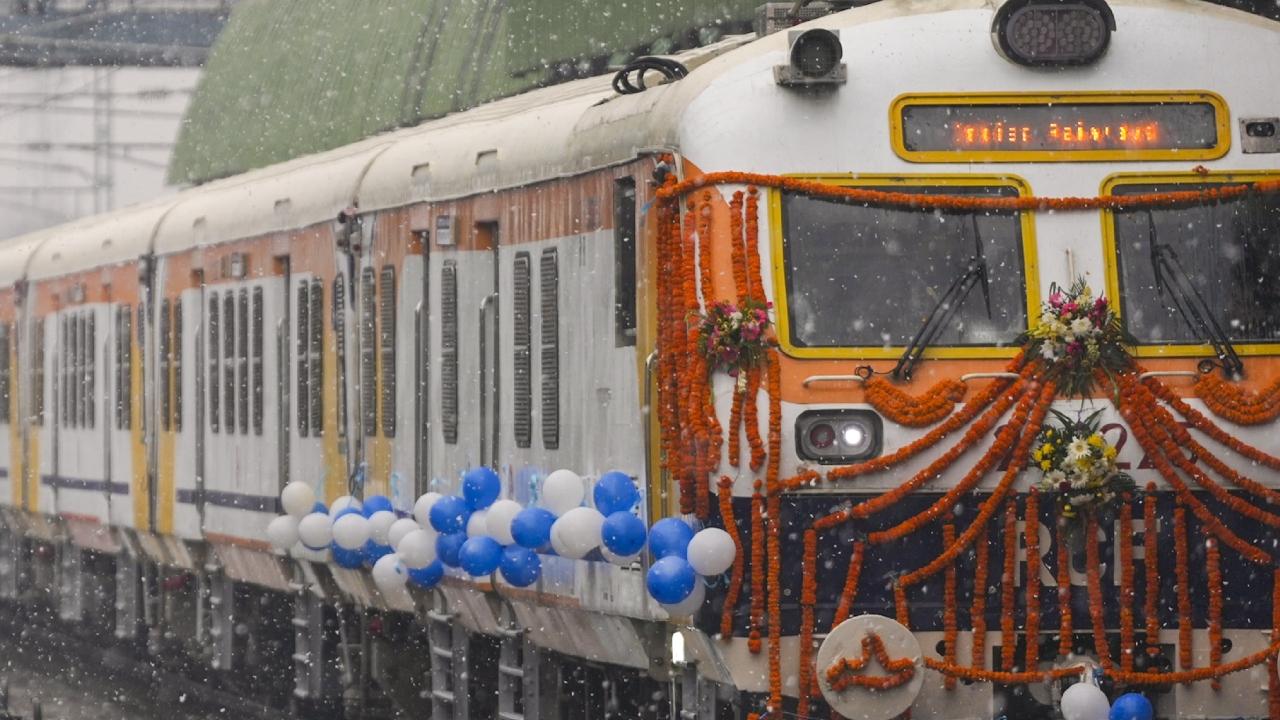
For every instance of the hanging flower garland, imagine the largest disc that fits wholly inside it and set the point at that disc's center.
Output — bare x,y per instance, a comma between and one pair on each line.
1079,469
842,674
1078,334
1237,405
936,403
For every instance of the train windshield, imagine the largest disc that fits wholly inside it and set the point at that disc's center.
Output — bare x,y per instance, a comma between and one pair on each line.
1228,251
859,276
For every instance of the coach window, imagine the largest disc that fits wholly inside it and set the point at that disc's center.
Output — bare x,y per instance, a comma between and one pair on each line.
523,352
302,325
340,342
315,357
257,360
166,366
449,350
124,367
91,370
549,284
140,326
176,354
387,348
63,368
5,367
368,353
215,372
37,371
242,361
624,250
229,361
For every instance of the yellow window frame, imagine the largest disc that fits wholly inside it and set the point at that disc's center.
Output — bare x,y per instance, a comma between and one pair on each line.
879,352
1222,117
1111,256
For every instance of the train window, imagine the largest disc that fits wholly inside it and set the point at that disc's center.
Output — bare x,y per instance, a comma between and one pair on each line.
315,357
140,330
166,366
1225,253
37,371
229,361
242,361
340,338
124,367
387,348
91,370
523,360
549,285
449,351
302,325
215,371
863,276
624,273
368,350
62,373
5,367
176,354
258,363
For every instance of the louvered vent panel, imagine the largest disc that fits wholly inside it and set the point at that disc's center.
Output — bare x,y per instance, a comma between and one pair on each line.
387,347
449,352
523,380
549,285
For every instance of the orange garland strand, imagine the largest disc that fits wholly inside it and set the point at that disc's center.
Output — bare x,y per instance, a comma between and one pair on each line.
1207,426
1066,630
924,410
808,599
751,419
978,609
1124,539
735,577
1032,652
1093,575
1238,405
850,591
1213,566
1151,569
1184,586
949,620
756,618
774,529
1008,586
840,676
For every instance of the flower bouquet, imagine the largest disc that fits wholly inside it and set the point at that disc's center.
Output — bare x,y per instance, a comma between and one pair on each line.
1077,335
735,338
1079,468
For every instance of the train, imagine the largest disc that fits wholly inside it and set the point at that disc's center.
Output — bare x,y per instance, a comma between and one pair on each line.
962,225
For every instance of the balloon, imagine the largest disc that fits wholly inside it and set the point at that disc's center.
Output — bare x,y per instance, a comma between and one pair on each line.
520,566
282,531
375,551
619,560
1085,701
376,503
351,531
480,487
498,523
427,577
615,492
320,508
531,527
389,575
562,491
345,502
623,533
417,549
449,514
477,524
399,529
480,555
1132,706
422,508
579,531
447,547
671,579
690,605
380,526
557,540
315,531
297,498
349,559
711,551
670,536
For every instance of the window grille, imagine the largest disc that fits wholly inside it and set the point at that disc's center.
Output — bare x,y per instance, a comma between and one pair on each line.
522,350
215,374
449,351
387,348
258,361
368,352
315,357
549,285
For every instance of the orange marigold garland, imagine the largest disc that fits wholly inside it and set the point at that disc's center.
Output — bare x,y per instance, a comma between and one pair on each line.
1213,568
751,419
1184,586
735,576
978,609
1208,427
755,279
773,502
1066,629
949,621
924,410
1124,539
850,591
737,255
756,618
1093,578
1151,570
842,673
1236,404
1008,586
1032,652
808,599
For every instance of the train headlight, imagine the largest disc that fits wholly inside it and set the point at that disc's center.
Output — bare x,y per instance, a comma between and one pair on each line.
1053,32
814,60
838,436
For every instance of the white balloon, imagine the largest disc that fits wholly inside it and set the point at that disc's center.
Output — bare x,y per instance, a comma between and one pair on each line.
688,606
399,529
579,531
316,530
351,531
619,560
344,502
1085,701
477,524
417,549
562,491
297,498
389,575
711,551
500,515
557,541
422,508
283,532
380,526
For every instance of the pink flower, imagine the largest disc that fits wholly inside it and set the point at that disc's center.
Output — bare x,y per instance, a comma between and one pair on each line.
1056,299
750,331
1070,308
1075,348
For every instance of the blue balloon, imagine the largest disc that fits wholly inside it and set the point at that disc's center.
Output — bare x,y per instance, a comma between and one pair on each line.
623,533
447,547
480,487
376,503
615,492
531,527
520,566
319,508
480,556
671,580
373,552
1132,706
427,577
449,514
670,536
349,559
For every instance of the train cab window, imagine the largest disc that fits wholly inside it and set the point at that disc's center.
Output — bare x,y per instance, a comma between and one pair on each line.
5,368
242,361
449,351
124,367
387,347
1221,258
37,371
368,352
624,250
166,367
863,276
340,343
315,357
523,351
549,286
258,340
215,372
176,354
229,361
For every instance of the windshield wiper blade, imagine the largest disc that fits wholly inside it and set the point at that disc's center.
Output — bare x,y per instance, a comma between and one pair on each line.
1170,275
948,305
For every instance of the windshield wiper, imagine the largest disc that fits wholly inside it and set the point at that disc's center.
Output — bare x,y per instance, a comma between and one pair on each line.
948,305
1172,276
